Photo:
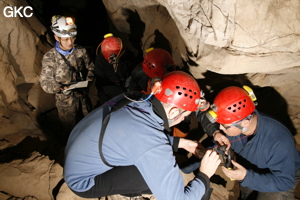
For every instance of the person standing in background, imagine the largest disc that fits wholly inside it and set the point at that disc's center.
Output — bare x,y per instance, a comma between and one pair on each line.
156,63
113,67
66,72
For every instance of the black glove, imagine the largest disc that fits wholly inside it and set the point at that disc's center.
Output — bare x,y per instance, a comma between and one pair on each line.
207,126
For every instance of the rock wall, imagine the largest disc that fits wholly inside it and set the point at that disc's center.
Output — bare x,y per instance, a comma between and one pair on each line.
249,42
22,45
258,40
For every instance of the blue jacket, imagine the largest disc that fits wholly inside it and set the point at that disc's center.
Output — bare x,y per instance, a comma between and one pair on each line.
272,158
134,136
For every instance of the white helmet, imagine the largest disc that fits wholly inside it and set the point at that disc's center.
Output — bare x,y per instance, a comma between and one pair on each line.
63,26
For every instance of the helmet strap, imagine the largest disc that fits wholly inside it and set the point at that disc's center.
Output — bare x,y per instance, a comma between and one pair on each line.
244,129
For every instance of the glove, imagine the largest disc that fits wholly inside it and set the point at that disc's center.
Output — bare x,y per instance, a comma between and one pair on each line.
207,126
90,76
66,92
58,90
61,89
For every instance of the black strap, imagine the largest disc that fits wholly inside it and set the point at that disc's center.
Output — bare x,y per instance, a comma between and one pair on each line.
106,116
68,63
159,110
76,74
120,104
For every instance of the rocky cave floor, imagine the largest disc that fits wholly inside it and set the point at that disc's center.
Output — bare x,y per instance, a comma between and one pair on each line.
53,147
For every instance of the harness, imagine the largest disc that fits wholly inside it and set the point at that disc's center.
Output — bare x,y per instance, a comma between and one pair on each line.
128,98
106,116
76,73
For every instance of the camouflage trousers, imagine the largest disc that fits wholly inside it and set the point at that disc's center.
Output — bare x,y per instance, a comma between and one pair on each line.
71,109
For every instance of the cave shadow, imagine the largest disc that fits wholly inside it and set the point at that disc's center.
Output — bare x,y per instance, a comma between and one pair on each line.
189,61
52,146
218,180
51,126
48,121
90,18
27,146
44,10
160,41
137,29
92,24
269,101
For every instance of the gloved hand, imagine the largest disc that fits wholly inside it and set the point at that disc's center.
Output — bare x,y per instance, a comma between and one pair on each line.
62,89
90,76
66,92
208,127
58,90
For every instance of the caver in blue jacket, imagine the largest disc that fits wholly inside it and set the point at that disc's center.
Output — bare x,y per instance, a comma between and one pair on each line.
270,157
134,136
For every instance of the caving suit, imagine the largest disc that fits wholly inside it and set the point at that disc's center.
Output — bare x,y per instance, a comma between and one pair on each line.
56,73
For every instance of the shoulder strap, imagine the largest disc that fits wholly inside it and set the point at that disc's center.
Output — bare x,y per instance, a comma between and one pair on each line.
104,125
68,63
106,117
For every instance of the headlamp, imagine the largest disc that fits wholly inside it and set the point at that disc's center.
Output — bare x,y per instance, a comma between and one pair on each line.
212,116
69,21
250,93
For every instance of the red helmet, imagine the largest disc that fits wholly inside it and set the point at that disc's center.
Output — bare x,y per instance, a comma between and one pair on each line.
181,90
155,61
232,104
111,46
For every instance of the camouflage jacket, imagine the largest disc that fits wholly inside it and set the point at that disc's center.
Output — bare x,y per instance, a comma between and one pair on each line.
56,72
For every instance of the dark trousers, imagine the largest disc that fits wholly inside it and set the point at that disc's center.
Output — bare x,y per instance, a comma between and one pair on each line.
125,180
